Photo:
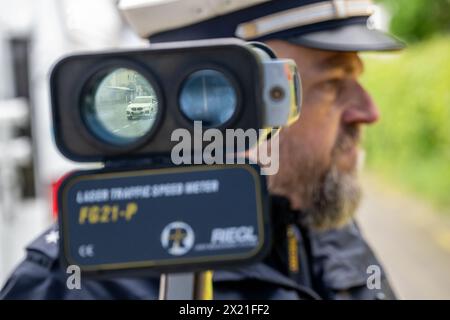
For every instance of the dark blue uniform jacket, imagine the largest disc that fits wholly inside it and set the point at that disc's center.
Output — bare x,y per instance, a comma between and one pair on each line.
332,265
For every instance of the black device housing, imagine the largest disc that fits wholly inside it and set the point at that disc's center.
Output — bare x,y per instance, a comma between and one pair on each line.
165,67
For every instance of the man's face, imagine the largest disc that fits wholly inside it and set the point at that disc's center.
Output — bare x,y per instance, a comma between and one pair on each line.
319,153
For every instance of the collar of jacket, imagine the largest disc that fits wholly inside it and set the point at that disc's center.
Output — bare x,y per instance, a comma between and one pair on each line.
339,257
281,216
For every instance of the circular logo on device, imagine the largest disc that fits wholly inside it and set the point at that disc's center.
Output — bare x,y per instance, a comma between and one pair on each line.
177,238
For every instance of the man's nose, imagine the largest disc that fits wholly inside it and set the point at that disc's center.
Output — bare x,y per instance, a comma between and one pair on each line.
361,107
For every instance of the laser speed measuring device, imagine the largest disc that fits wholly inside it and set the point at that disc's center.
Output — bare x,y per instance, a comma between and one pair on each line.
140,212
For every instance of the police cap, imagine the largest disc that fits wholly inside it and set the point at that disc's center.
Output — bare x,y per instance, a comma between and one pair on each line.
338,25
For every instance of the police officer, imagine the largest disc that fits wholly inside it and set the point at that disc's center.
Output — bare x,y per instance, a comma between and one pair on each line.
318,250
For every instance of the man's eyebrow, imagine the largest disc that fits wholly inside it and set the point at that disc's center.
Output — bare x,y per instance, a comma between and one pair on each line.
340,60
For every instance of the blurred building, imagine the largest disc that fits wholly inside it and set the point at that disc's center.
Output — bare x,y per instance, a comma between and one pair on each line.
33,36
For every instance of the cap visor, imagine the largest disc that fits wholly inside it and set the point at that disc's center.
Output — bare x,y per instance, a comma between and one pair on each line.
355,37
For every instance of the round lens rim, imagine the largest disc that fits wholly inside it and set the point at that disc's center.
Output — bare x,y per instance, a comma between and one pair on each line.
89,86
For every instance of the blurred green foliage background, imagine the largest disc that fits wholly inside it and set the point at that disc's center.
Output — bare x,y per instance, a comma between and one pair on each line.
411,143
415,20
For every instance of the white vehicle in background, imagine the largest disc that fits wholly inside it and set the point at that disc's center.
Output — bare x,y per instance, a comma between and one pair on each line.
141,107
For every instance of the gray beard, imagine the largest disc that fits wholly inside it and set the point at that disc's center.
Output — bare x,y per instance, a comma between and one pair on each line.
334,200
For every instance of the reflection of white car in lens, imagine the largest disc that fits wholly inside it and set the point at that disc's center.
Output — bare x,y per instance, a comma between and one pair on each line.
141,107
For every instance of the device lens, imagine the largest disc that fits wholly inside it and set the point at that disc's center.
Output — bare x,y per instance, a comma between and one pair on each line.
120,106
208,96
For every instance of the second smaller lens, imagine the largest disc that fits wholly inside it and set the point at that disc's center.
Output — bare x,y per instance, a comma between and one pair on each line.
208,96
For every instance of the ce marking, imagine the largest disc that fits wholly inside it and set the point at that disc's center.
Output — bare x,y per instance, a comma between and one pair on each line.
86,251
